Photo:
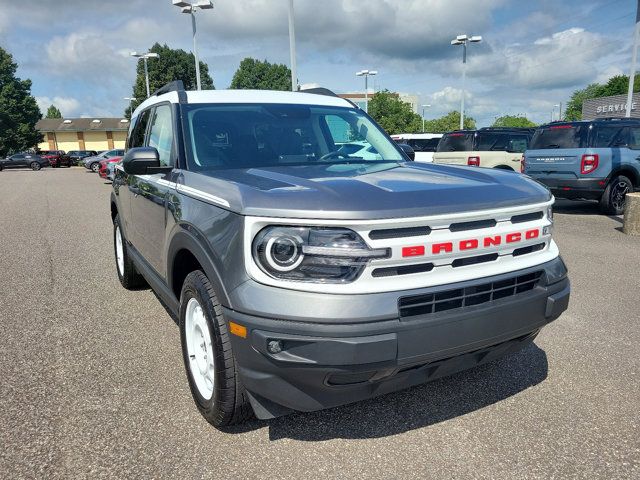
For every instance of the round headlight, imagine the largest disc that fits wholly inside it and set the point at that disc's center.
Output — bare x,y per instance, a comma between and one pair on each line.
283,253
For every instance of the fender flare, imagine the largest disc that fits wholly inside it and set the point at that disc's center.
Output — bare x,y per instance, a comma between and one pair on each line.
187,238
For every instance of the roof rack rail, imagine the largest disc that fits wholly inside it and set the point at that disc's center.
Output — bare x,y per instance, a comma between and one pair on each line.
318,91
622,119
174,86
507,128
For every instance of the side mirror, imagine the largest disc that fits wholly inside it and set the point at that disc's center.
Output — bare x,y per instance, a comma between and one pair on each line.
138,161
408,151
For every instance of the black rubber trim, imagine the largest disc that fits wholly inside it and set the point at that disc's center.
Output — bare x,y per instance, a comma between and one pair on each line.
527,217
529,249
463,262
402,270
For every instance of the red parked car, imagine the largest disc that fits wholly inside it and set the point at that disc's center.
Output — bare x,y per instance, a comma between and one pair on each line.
56,158
102,171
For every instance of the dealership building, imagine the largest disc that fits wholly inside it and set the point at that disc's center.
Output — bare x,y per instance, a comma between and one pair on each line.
82,133
613,106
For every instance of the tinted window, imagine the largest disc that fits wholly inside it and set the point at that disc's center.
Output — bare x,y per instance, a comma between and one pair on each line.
245,136
424,145
634,137
488,141
456,142
138,129
607,136
161,133
559,136
518,143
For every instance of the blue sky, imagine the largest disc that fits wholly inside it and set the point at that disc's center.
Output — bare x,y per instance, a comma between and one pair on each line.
534,53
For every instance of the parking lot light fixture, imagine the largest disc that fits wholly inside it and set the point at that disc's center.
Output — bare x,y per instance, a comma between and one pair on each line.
145,56
366,74
130,100
464,40
559,107
292,49
190,8
423,107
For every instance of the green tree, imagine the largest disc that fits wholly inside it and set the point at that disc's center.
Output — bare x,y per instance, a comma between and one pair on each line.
513,121
53,112
449,122
254,74
172,64
394,115
617,85
19,111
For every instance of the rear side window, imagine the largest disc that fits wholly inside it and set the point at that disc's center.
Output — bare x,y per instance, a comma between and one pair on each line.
634,138
487,142
456,142
609,136
559,136
138,129
424,144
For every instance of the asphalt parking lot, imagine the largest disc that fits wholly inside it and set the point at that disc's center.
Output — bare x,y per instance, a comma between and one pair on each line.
92,382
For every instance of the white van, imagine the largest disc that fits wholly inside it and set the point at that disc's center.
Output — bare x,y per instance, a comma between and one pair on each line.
424,144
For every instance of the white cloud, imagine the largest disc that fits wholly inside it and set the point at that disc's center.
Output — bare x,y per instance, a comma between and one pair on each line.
68,106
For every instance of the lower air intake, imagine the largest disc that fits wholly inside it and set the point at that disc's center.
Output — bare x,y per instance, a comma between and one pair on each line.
466,297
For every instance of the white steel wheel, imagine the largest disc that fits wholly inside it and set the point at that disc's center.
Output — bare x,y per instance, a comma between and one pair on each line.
200,352
119,251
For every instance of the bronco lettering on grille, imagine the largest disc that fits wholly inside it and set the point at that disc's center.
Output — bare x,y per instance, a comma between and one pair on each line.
470,243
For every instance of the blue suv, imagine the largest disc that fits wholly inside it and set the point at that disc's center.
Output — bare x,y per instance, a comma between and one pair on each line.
593,160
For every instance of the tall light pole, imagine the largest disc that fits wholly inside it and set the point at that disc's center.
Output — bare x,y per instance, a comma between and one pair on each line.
292,49
634,55
131,100
464,40
366,74
423,107
559,106
191,8
145,56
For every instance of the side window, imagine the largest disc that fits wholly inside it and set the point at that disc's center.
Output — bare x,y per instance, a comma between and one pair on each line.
518,143
138,129
605,136
161,133
634,138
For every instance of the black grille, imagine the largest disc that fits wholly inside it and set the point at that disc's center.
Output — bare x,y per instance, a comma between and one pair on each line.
399,233
402,270
465,297
530,249
527,217
462,226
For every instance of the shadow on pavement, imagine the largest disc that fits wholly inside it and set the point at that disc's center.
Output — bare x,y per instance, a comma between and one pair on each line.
582,207
417,407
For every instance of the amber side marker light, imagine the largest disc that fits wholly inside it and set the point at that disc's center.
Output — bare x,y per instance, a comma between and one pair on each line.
238,330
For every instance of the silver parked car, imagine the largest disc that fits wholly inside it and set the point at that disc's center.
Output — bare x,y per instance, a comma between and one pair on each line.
93,163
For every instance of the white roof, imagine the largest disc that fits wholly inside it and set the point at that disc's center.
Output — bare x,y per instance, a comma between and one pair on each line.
248,96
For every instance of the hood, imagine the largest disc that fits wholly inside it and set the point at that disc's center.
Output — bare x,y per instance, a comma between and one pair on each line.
366,190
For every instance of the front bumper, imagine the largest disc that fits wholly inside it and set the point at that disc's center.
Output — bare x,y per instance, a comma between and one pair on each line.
324,363
586,188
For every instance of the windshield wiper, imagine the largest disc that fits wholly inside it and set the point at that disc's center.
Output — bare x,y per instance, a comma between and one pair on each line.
553,145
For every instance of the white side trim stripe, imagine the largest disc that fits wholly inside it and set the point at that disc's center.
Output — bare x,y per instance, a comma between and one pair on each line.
192,192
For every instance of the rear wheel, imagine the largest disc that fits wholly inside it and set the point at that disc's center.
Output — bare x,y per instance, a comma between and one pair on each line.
35,166
613,199
208,358
127,272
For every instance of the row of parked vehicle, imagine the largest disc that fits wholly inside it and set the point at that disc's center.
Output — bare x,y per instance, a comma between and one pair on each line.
91,159
591,160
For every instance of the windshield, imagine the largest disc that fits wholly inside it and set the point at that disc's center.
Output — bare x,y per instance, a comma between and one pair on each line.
266,135
559,136
456,142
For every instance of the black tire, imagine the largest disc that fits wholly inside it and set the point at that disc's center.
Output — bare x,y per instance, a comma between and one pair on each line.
35,166
229,403
94,167
129,276
613,199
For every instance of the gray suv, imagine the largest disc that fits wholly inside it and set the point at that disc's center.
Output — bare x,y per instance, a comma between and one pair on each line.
305,276
596,160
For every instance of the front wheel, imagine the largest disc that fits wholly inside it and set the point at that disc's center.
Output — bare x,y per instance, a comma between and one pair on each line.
208,358
613,199
95,167
35,166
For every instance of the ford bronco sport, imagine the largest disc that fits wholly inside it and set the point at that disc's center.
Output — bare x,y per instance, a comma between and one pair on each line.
305,277
491,147
596,160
